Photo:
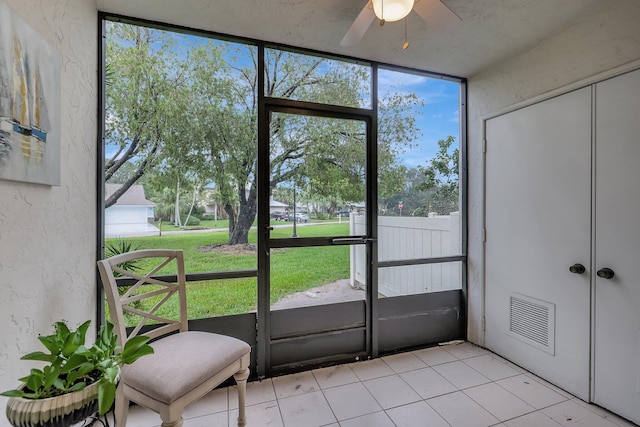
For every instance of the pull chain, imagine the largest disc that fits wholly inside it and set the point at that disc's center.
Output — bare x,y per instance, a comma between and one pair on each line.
405,46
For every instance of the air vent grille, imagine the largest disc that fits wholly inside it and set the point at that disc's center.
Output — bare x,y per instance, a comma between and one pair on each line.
532,321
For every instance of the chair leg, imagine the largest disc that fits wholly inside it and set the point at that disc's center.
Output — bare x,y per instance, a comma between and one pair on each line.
122,409
241,380
176,423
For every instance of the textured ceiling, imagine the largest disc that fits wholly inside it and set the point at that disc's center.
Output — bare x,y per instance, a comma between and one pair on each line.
491,30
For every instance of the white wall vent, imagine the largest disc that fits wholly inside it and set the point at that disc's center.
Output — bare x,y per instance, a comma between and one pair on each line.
532,321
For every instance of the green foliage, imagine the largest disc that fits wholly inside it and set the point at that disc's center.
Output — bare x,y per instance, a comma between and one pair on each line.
421,211
72,366
193,220
119,246
184,114
233,296
441,178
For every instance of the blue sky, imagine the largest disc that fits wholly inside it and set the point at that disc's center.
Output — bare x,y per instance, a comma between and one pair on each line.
438,119
440,116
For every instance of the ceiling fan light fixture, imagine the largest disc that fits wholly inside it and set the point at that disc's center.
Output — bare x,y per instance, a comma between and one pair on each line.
392,10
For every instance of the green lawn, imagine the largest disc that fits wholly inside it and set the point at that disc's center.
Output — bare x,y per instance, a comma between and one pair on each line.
292,269
224,224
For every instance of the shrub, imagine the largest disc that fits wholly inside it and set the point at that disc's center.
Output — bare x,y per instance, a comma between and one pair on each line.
193,220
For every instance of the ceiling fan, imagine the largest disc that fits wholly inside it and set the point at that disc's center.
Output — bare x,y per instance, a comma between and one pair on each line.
434,12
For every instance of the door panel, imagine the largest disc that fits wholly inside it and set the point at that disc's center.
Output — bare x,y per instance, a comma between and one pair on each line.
438,316
538,204
617,317
317,315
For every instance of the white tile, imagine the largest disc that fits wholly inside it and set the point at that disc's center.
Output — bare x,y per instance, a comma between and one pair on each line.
460,410
291,385
605,414
434,356
350,401
142,417
508,363
257,392
461,375
531,391
334,376
404,362
220,419
428,383
377,419
371,369
534,419
391,391
260,415
306,410
569,413
498,401
416,414
464,350
558,390
212,402
491,367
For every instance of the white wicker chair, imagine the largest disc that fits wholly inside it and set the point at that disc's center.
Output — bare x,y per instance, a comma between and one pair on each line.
186,365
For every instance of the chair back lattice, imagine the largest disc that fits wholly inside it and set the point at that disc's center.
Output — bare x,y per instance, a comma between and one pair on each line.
148,292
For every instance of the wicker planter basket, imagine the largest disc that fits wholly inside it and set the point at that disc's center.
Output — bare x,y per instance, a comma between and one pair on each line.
59,411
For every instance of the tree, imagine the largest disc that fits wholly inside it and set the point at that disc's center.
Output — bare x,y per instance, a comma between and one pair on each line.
143,84
185,114
441,178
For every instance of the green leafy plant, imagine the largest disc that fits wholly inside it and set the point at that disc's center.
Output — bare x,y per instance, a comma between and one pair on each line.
72,366
118,246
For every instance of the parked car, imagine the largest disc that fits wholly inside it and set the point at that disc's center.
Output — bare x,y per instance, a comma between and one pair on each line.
299,217
343,214
278,216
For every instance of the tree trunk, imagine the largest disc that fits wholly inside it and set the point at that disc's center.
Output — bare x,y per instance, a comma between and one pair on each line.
239,234
232,217
177,222
193,203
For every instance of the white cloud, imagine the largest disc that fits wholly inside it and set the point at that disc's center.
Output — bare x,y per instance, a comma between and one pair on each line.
396,78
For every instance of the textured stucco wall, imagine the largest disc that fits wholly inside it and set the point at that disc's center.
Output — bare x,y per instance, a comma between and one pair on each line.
597,43
47,234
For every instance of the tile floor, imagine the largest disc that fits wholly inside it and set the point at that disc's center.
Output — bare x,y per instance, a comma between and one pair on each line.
458,385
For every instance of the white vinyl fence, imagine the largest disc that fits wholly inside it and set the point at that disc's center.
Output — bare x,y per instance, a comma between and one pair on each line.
404,238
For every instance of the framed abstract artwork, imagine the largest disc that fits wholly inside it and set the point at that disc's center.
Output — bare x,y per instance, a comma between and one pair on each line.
29,103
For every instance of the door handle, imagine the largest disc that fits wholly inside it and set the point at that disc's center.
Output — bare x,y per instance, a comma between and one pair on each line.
577,268
351,240
348,240
606,273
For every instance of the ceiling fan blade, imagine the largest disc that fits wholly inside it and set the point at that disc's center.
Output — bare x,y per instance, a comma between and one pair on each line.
437,15
359,27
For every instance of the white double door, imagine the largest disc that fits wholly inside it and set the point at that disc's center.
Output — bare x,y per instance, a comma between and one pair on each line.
563,190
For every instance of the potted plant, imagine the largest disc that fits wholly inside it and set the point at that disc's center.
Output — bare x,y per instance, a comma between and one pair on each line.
76,382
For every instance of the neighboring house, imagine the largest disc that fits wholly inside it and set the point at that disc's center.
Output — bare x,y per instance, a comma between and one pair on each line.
275,206
210,204
131,215
208,200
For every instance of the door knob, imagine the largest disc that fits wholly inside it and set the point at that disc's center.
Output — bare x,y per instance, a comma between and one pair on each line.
577,268
606,273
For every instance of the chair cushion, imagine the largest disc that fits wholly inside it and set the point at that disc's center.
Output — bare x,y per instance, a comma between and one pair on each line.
182,362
